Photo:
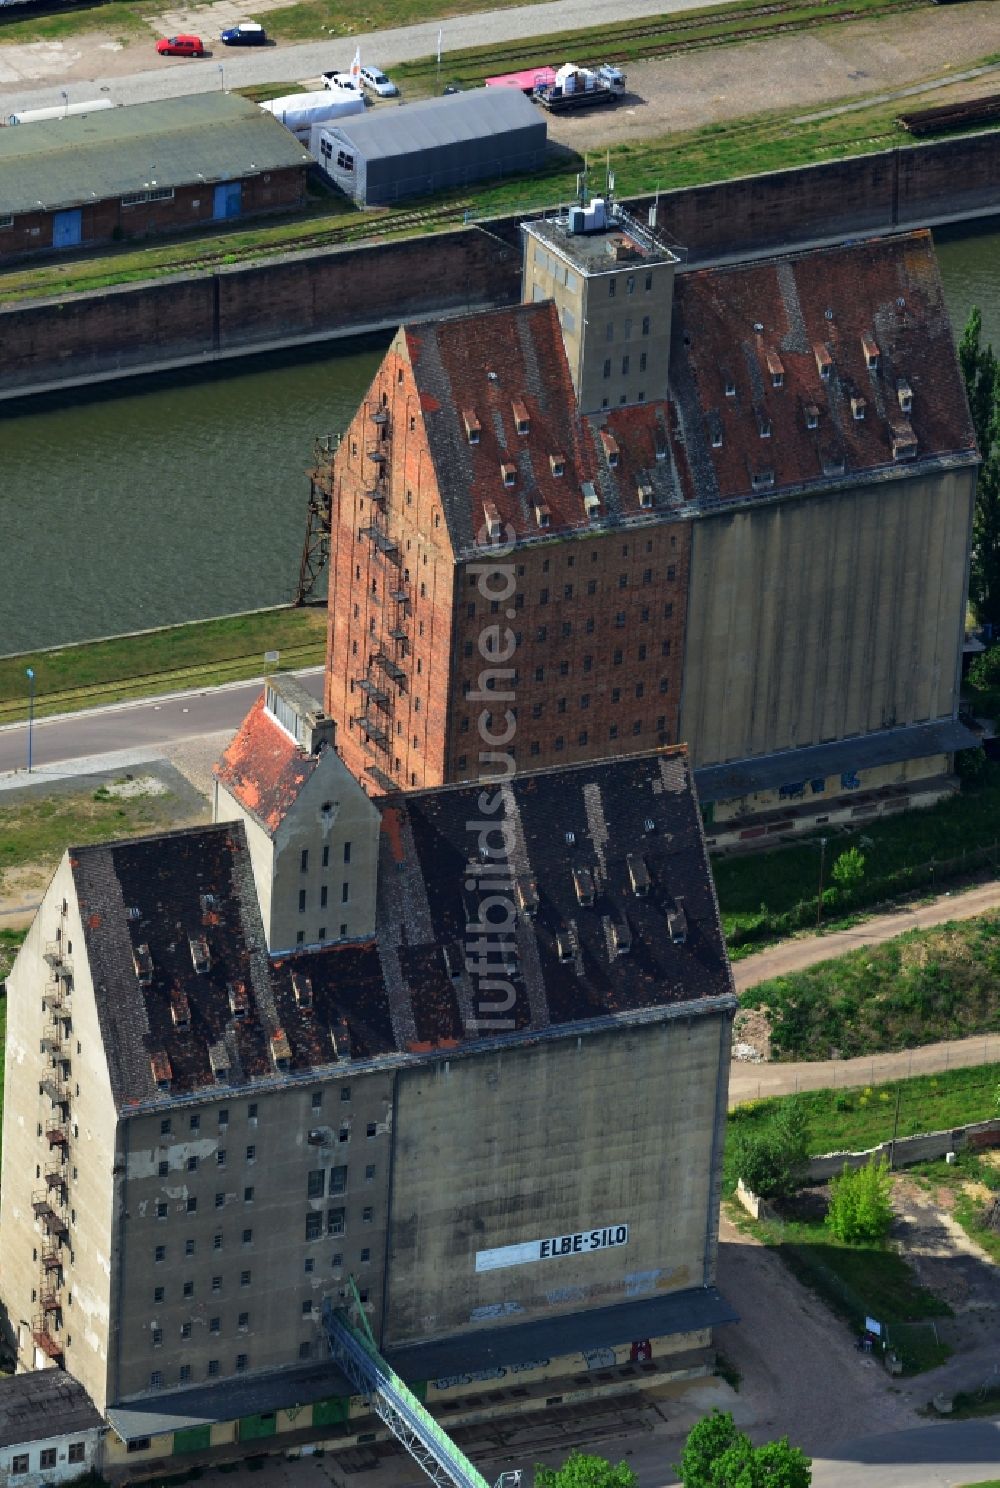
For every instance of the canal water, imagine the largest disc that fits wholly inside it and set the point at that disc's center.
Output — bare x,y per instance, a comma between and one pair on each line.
181,496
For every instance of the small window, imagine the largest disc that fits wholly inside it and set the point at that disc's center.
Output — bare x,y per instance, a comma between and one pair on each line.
157,1294
216,1283
164,1168
77,1451
248,1237
160,1253
185,1330
367,1214
242,1361
165,1127
192,1205
220,1157
157,1337
184,1373
304,861
189,1247
316,1183
251,1153
244,1278
371,1129
213,1368
215,1325
19,1464
243,1321
188,1289
161,1209
156,1380
248,1194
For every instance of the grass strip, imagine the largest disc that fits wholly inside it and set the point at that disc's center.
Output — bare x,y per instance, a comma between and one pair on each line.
203,653
922,987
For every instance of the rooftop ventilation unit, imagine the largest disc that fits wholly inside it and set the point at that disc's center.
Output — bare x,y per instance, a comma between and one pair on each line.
638,874
239,1003
281,1049
200,958
583,882
161,1069
143,963
219,1061
621,937
526,892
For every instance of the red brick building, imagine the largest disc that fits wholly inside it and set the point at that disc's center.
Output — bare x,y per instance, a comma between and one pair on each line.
143,170
731,511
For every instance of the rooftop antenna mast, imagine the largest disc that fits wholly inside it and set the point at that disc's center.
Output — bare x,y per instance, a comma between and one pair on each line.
609,182
581,184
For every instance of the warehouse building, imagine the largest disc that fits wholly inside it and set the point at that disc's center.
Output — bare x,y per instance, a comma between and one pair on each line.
418,148
733,509
147,169
509,1137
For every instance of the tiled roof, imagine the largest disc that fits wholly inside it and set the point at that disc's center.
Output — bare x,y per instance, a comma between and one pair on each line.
188,999
473,371
44,1404
853,340
264,767
872,314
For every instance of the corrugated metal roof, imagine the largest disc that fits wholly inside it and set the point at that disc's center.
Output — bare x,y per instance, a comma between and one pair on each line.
411,127
863,752
90,157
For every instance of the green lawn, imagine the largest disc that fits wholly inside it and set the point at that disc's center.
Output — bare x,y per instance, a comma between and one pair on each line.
203,653
856,1119
10,940
764,895
36,829
922,987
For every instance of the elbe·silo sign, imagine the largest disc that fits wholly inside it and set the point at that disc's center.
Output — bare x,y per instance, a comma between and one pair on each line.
552,1248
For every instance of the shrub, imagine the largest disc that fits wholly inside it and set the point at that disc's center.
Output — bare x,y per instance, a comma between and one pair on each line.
773,1160
861,1203
849,869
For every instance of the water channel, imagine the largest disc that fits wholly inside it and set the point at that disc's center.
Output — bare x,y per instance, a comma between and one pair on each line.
180,496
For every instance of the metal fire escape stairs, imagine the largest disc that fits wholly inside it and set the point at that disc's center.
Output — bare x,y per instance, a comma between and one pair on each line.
355,1352
384,679
50,1204
316,548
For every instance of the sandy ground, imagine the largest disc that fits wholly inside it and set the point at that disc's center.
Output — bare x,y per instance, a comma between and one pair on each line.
806,69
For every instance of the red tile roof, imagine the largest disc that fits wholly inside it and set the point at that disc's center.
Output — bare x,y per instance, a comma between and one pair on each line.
264,768
870,314
486,373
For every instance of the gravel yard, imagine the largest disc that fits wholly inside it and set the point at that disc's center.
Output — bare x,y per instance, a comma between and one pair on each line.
808,69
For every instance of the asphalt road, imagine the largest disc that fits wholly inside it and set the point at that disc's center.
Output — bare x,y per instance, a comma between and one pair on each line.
172,77
938,1456
149,725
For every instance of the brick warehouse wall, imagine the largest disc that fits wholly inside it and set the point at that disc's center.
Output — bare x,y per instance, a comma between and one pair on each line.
600,644
190,206
332,290
362,613
196,315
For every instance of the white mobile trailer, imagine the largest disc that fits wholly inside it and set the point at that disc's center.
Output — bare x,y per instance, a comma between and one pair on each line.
299,112
57,111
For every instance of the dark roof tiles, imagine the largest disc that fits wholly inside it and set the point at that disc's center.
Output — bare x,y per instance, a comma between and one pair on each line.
213,1011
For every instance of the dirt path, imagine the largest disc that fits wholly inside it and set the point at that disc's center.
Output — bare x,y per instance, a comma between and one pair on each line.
797,955
752,1081
807,69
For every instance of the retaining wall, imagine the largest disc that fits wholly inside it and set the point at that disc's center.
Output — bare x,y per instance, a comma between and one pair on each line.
326,293
908,1150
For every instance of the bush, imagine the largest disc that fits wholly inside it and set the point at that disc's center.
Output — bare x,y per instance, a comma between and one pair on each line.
984,672
861,1203
970,764
773,1161
849,869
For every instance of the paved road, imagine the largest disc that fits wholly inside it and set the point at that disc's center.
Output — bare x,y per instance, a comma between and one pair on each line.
173,77
937,1456
146,729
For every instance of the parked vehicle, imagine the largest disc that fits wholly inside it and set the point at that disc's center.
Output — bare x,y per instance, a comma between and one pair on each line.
245,33
580,87
375,80
345,81
529,80
181,46
299,112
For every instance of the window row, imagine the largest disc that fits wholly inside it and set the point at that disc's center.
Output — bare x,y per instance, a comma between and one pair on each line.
345,897
216,1285
334,1222
194,1121
300,935
213,1370
316,1179
214,1326
626,364
160,1251
20,1463
325,857
191,1205
630,283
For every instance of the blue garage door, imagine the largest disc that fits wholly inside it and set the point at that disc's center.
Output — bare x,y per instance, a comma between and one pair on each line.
67,228
228,200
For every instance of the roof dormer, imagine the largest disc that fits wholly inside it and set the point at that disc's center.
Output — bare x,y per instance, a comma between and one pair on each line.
611,450
522,422
870,349
776,368
473,428
824,361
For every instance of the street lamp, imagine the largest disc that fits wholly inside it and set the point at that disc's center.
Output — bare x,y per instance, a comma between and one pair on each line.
222,77
29,671
819,897
65,98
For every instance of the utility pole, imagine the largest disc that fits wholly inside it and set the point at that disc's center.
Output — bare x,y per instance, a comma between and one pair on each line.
819,896
30,672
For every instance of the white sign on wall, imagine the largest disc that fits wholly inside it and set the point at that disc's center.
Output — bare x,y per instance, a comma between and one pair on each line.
552,1248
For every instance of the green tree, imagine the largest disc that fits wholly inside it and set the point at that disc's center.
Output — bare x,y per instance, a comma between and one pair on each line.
583,1471
981,371
716,1455
772,1160
849,869
861,1203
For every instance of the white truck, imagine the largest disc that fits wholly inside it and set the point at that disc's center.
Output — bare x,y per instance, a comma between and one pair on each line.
300,111
581,87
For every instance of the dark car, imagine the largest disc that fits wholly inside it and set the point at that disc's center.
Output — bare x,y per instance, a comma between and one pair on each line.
247,33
